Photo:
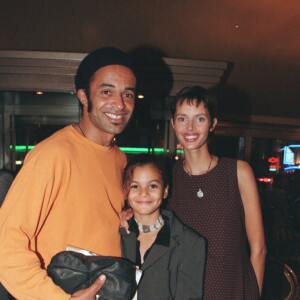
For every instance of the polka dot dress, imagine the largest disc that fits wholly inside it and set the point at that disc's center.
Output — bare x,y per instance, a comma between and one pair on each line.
211,204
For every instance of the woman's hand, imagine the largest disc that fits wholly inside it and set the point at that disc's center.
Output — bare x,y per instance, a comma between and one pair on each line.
90,292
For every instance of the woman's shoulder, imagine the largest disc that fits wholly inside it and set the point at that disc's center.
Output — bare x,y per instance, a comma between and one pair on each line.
226,165
227,161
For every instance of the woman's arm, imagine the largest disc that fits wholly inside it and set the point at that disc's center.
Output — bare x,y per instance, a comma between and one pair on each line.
253,219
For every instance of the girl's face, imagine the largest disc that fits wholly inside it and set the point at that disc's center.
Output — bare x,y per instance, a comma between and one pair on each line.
146,191
192,125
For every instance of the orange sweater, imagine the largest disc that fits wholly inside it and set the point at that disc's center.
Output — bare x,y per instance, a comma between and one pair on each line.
68,192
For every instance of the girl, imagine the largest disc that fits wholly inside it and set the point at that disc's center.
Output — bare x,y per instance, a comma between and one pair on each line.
217,197
170,255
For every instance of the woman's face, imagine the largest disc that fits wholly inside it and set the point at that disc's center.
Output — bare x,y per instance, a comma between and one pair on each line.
146,191
192,125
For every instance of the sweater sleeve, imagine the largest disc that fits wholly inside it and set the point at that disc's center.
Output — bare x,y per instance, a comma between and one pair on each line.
22,216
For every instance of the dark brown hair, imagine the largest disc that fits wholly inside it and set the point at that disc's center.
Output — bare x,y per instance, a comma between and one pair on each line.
195,95
143,160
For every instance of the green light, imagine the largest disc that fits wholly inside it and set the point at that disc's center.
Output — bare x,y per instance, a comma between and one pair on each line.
143,150
129,150
22,148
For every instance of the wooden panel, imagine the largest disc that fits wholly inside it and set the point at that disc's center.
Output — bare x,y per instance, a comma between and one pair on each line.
42,110
35,82
196,63
260,119
196,78
196,71
37,70
39,62
270,131
54,71
178,85
42,55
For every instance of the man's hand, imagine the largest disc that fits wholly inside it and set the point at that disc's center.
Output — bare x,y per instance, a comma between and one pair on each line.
90,292
124,216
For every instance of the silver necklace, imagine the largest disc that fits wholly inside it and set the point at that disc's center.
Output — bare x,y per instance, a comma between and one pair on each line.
149,228
199,193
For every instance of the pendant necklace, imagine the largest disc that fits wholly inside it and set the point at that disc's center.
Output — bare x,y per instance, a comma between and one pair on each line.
199,193
149,228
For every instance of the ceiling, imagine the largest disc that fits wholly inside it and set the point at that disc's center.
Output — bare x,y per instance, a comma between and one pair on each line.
259,38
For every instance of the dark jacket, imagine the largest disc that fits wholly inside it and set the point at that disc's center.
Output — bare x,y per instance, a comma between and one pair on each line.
175,272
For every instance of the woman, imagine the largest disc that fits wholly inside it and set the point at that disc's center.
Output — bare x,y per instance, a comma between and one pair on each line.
217,197
170,255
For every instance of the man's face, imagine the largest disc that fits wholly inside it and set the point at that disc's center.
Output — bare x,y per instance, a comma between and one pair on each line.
110,101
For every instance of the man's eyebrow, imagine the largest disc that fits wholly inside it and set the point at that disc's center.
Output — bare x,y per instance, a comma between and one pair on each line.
113,86
130,89
106,85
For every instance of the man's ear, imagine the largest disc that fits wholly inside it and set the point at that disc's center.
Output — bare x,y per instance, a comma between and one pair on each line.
166,191
82,97
215,122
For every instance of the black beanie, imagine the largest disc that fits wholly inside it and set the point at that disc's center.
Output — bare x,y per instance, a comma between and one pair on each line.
97,59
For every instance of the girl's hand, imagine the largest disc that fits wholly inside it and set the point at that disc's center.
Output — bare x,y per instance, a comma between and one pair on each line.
124,216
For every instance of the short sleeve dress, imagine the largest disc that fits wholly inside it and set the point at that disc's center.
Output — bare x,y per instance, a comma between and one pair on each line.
211,204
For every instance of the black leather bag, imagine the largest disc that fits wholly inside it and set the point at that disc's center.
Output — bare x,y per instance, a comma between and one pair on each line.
74,271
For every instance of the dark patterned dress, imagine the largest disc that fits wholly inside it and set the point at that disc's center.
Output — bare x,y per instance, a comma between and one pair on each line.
211,204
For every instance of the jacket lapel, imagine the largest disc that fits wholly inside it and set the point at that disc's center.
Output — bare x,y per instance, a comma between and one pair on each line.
156,252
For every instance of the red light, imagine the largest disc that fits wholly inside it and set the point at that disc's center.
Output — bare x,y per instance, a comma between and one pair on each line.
267,179
273,160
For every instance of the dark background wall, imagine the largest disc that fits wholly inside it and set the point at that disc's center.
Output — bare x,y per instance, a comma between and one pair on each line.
260,38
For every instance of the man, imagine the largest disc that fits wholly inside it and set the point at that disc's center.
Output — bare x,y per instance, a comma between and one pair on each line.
69,192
